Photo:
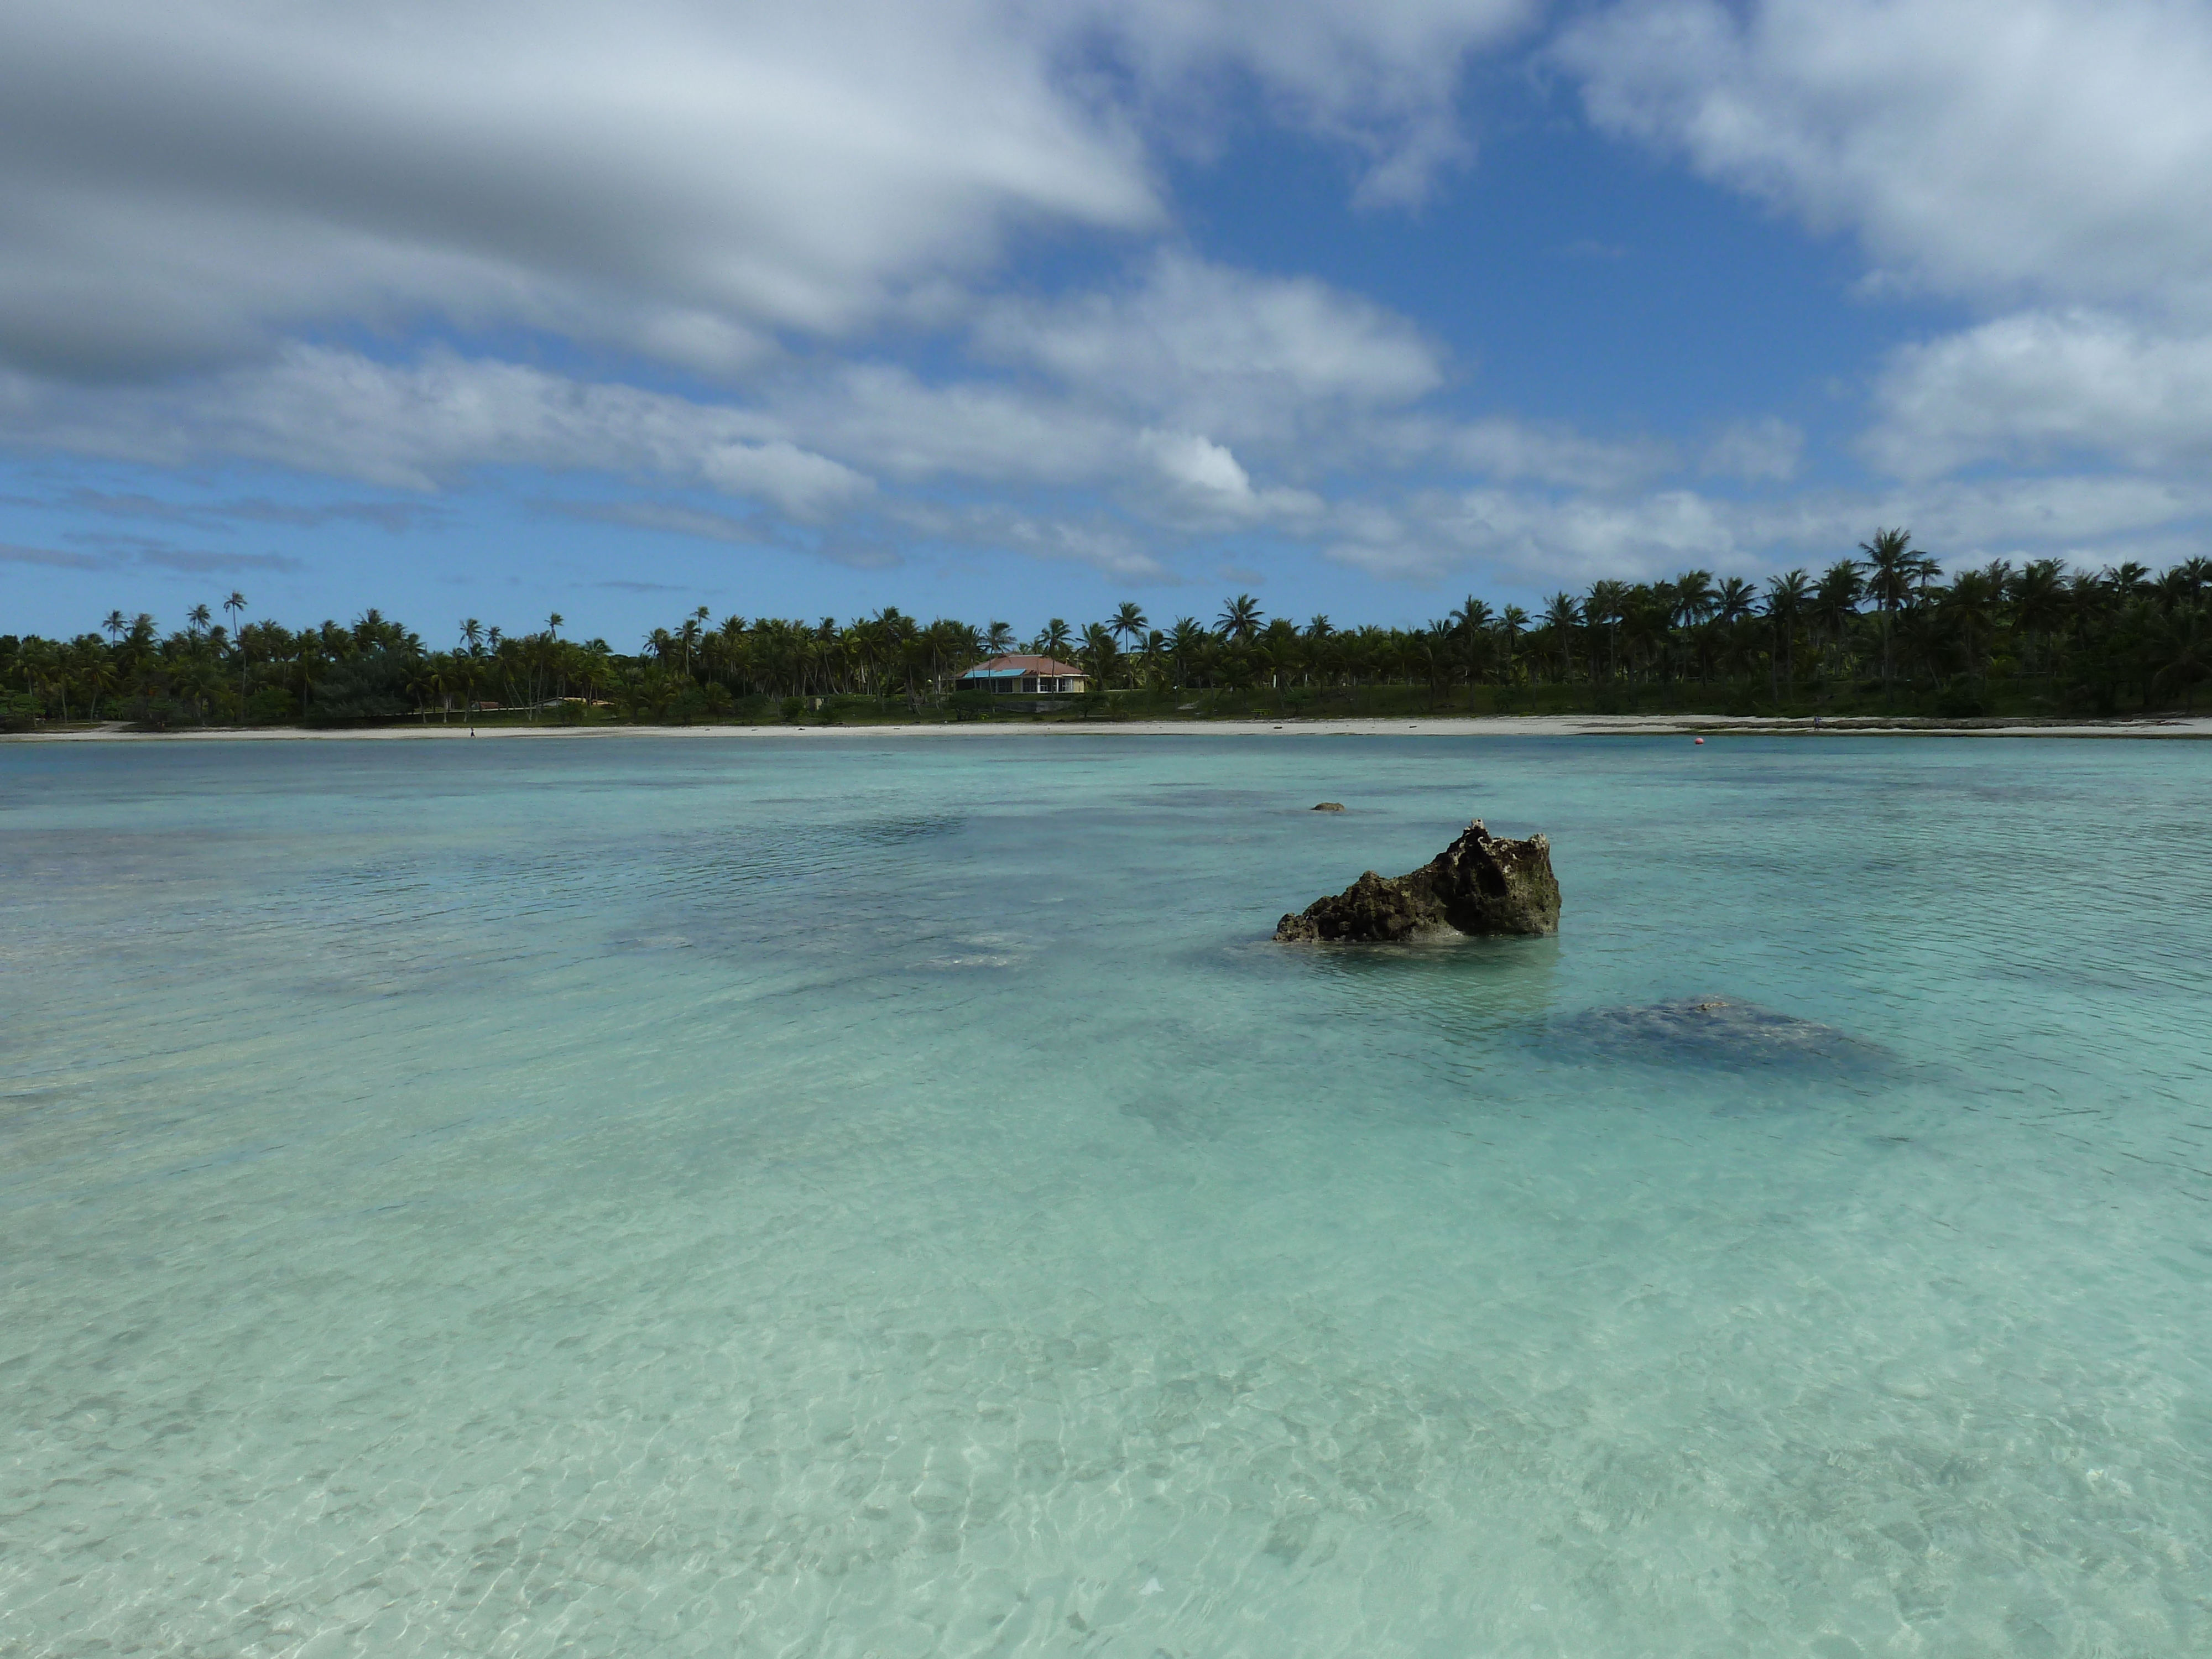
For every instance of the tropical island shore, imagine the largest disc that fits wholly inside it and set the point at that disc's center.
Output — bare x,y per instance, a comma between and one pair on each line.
1875,644
1434,725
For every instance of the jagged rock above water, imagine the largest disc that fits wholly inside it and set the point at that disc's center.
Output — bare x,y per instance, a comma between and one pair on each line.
1480,883
1328,806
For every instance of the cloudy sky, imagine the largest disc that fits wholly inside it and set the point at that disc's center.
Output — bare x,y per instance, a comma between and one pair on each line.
998,309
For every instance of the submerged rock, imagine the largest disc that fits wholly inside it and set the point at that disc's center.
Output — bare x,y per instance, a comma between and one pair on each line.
1718,1031
1480,883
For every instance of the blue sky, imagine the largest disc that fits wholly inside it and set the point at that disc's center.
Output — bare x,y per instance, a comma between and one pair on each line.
1000,310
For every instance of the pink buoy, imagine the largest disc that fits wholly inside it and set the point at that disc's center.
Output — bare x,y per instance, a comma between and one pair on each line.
1700,739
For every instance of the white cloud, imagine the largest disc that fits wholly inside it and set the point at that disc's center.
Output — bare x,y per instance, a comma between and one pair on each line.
1988,147
677,177
888,418
1209,482
1579,539
689,178
2039,386
2041,159
1535,537
1767,448
1063,537
1500,449
412,426
2090,519
1221,350
699,524
1199,463
1545,539
1383,77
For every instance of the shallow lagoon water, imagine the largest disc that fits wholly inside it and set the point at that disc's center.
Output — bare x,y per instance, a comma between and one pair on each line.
798,1197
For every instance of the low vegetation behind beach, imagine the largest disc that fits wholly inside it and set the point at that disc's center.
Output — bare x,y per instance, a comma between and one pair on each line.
1881,634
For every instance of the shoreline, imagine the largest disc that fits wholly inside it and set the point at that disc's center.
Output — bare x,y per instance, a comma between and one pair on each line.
1490,726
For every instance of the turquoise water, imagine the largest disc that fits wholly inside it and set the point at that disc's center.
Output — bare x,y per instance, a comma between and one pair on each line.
851,1198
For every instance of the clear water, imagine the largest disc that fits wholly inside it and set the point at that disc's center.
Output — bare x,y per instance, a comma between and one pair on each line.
889,1199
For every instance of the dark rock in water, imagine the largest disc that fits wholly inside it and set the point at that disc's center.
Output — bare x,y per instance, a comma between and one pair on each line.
1718,1031
1328,806
1480,883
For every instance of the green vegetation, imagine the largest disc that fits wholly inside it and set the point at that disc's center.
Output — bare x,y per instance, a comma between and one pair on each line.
1880,633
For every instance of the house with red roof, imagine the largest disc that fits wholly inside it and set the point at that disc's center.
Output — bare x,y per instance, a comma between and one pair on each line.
1030,676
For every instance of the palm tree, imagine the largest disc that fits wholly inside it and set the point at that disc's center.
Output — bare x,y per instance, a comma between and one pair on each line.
96,674
1149,658
1786,598
1512,622
1472,622
2182,649
41,663
1604,606
2038,599
1099,654
1056,640
1893,564
195,678
441,673
688,636
1732,601
1317,637
1692,598
1240,617
2127,580
1971,602
1562,613
1185,641
724,647
1736,600
2111,635
1836,600
234,607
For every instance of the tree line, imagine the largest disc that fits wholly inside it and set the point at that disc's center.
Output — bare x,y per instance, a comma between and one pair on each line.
1882,629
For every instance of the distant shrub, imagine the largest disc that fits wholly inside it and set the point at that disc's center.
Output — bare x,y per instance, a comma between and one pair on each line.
270,705
19,712
162,715
371,686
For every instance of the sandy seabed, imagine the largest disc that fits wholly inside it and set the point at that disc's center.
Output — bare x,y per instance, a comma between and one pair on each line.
665,1200
1493,725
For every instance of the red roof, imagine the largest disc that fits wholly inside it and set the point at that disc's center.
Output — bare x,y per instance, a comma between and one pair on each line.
1027,665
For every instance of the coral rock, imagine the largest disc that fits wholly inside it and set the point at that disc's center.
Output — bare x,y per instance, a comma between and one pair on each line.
1480,883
